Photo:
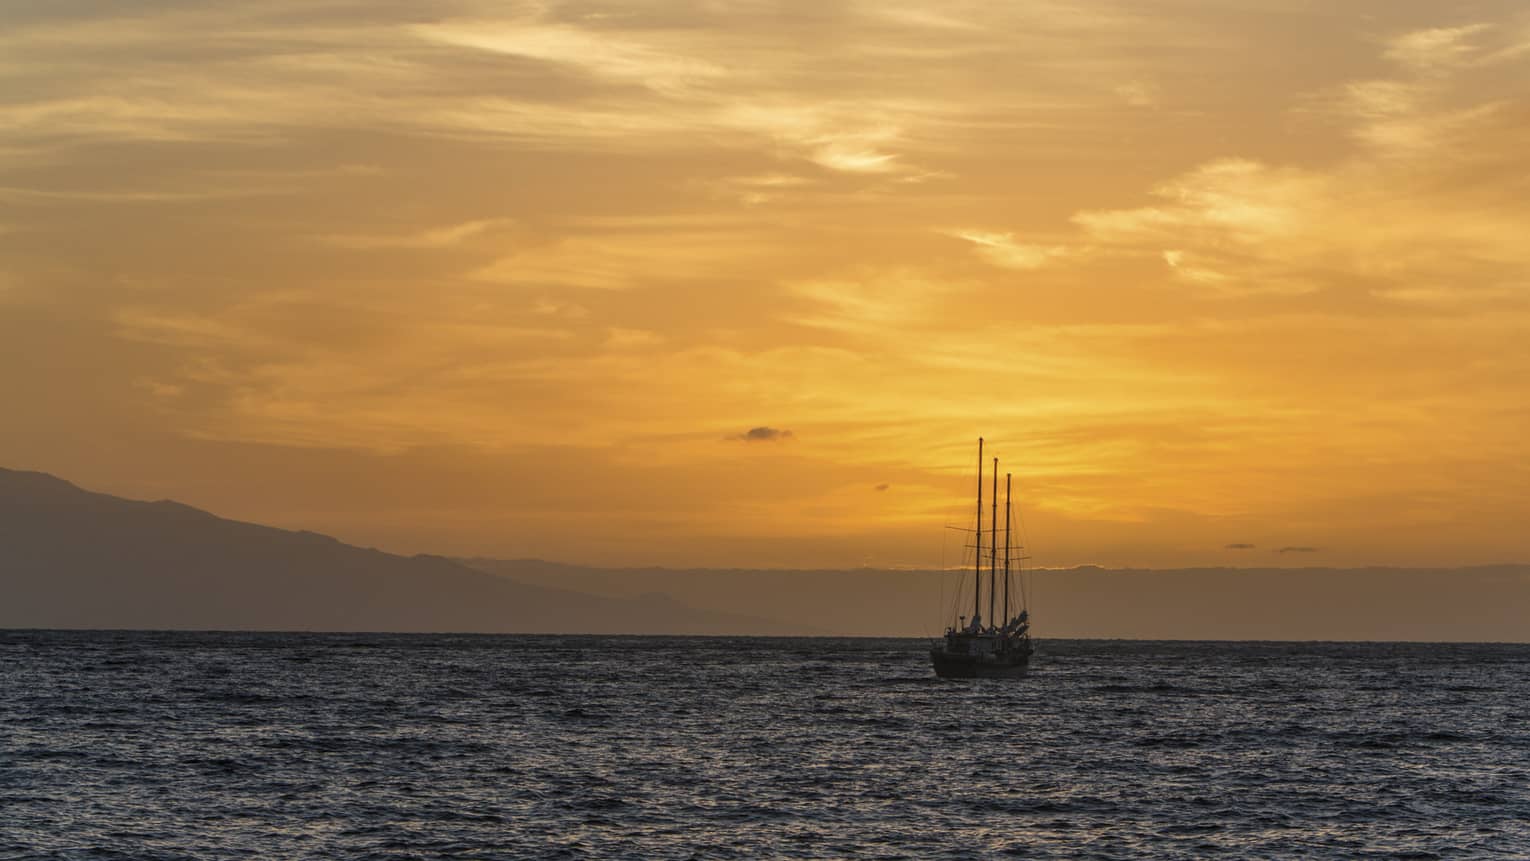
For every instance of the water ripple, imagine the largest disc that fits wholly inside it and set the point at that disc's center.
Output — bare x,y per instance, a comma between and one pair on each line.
196,745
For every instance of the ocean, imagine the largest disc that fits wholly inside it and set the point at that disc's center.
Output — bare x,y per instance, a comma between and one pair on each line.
132,745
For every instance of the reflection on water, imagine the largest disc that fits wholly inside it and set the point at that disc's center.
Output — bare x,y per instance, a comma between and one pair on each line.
279,745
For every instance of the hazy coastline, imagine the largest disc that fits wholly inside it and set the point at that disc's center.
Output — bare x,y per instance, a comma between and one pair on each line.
74,559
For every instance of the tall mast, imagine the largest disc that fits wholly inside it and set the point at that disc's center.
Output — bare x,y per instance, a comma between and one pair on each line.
977,558
1007,518
993,551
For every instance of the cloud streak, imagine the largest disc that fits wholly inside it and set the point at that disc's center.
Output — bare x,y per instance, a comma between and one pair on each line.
1193,295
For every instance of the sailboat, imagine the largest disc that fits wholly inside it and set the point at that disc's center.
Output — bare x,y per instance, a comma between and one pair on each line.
972,649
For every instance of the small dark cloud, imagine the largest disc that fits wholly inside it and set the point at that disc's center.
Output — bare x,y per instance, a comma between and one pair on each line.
763,434
882,487
1238,546
1297,550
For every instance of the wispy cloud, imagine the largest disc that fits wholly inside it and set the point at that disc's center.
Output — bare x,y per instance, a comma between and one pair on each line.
1002,250
1433,47
621,338
601,53
1110,233
448,236
868,300
623,260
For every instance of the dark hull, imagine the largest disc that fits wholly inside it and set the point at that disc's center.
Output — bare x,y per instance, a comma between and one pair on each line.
990,666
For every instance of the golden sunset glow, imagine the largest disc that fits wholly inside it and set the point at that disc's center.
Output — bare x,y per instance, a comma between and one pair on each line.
519,280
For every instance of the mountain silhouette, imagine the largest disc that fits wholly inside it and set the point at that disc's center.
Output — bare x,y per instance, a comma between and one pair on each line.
70,558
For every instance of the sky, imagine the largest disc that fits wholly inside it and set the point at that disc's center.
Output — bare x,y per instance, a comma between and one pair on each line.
740,284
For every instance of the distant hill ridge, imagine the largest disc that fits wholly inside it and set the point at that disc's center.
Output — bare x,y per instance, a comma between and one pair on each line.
70,558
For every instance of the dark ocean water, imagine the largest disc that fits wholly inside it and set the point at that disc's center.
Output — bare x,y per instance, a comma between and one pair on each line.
157,745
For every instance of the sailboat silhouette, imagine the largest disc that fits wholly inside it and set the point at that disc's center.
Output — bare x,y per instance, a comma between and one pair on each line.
970,648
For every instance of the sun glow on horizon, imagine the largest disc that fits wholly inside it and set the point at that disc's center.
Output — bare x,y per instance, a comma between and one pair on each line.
659,285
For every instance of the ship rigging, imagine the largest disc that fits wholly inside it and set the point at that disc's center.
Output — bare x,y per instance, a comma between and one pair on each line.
970,648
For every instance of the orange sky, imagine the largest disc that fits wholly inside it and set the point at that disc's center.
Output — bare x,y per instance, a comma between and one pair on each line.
474,277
